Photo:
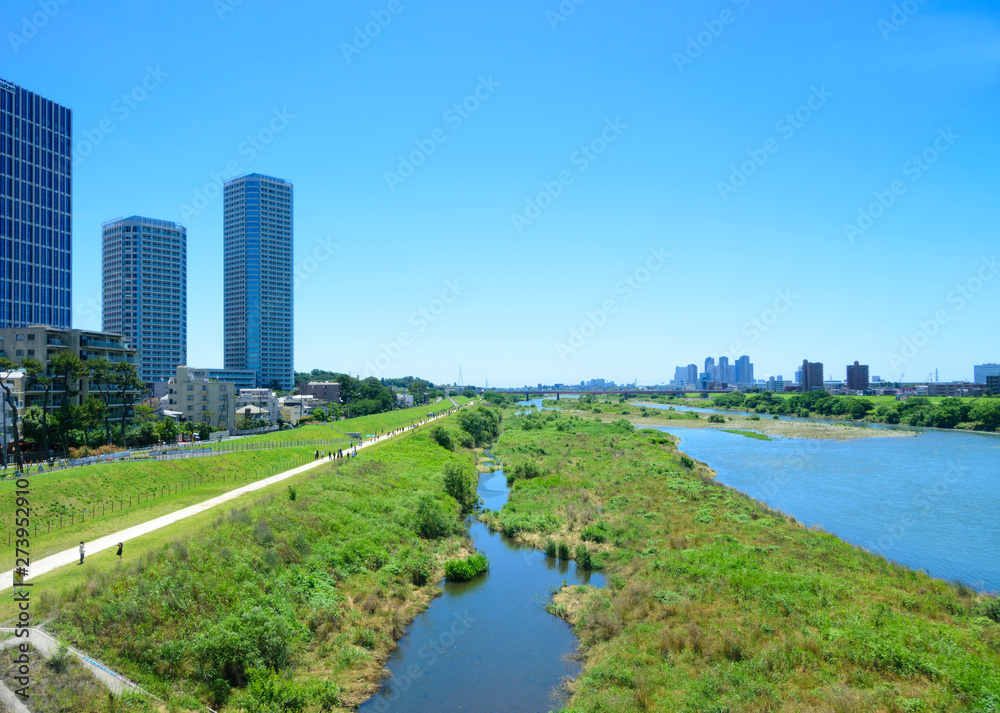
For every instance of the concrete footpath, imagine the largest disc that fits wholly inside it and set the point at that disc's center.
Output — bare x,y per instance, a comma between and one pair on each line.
72,556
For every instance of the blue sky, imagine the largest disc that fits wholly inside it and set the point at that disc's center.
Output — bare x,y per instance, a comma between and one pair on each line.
635,185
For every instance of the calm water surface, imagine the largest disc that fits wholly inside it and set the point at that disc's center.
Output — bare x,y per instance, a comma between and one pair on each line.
488,646
930,502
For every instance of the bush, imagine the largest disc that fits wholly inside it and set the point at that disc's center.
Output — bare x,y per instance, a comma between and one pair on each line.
550,548
444,438
524,470
463,570
595,533
991,609
687,462
460,482
716,418
433,521
256,637
291,493
563,550
583,558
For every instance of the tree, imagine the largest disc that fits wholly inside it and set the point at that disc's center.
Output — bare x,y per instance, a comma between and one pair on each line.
469,392
418,387
987,412
460,483
37,376
69,369
481,423
126,382
167,430
92,414
101,377
8,367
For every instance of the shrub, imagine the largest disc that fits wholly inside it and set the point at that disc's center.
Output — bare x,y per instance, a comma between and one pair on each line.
263,533
991,609
563,551
583,559
460,483
716,418
255,637
687,462
550,548
595,533
433,521
443,437
463,570
524,470
291,493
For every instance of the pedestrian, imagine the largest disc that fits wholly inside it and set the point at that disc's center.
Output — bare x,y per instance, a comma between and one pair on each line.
81,552
120,545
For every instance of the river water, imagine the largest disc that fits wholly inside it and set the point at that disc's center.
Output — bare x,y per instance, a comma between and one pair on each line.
488,645
929,502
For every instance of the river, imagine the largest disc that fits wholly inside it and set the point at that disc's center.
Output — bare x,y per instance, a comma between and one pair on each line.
929,502
489,644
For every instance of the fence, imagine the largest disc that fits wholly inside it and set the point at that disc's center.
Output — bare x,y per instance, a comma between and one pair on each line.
57,522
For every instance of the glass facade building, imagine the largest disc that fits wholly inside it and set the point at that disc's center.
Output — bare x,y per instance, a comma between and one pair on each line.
35,209
144,289
258,329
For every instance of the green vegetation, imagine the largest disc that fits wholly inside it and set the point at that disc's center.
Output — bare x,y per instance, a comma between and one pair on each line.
981,414
464,570
748,434
717,603
84,503
281,604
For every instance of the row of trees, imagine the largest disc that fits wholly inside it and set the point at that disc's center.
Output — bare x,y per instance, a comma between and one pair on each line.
110,385
982,413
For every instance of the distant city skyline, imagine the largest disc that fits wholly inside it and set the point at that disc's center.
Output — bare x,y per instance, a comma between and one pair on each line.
621,163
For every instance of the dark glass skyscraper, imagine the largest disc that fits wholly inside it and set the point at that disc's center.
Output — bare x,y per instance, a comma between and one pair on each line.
258,279
35,209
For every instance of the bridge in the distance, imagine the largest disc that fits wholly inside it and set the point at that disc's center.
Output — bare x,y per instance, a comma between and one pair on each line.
627,393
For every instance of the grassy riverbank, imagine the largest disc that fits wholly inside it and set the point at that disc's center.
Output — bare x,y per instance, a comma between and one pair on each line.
717,603
315,582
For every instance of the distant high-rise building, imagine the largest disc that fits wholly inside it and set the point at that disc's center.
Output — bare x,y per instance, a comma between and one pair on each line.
993,382
258,328
812,375
692,373
36,201
144,289
857,377
710,369
981,371
680,375
725,371
744,370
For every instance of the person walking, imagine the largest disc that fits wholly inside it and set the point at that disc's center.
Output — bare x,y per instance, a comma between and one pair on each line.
81,552
120,545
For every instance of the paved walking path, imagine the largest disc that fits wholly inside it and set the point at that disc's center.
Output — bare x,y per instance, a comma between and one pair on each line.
47,645
72,555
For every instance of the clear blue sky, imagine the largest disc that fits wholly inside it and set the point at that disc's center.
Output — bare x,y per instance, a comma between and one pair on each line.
666,121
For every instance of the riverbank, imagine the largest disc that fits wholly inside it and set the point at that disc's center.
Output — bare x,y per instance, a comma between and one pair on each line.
652,416
303,592
717,602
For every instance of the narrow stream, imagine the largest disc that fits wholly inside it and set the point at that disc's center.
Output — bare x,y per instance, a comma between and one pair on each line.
488,645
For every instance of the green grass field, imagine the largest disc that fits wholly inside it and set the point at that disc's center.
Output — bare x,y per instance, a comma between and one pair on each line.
717,603
64,503
317,587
